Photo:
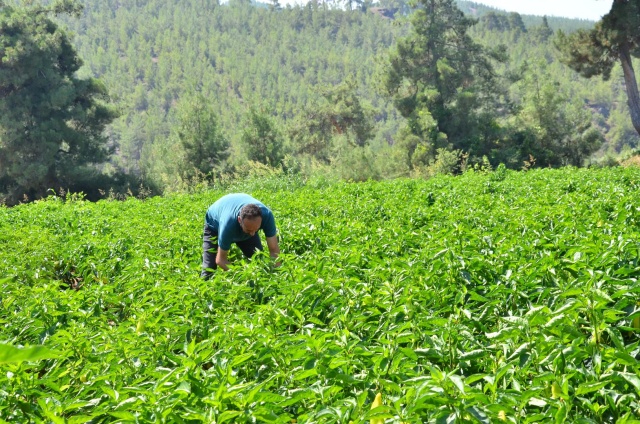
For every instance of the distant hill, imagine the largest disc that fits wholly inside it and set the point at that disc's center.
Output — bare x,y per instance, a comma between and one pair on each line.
150,53
566,24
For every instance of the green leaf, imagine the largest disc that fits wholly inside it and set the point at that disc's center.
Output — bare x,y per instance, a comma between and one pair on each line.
626,359
428,353
12,354
457,380
475,296
123,415
184,387
240,359
537,402
561,414
472,354
591,387
80,419
265,415
523,348
479,415
505,332
305,374
338,362
228,416
409,353
473,378
631,378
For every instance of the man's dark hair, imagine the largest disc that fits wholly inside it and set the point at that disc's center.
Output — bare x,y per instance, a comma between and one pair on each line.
250,211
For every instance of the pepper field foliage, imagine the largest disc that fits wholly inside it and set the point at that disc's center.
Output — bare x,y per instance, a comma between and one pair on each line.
487,297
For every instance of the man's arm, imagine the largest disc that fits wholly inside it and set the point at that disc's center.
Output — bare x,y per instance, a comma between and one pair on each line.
274,248
221,259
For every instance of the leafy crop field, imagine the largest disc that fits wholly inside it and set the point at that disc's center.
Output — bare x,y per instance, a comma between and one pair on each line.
499,297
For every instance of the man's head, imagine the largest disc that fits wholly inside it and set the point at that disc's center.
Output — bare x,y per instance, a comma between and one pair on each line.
250,218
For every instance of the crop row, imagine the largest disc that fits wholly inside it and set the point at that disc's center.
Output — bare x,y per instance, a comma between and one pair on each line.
480,298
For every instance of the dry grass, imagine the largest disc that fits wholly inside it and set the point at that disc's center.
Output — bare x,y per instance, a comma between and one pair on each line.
632,161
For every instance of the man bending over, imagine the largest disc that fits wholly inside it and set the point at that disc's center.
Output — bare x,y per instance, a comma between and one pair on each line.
236,218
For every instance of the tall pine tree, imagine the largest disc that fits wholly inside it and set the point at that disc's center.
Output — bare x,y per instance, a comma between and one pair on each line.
443,82
51,122
615,38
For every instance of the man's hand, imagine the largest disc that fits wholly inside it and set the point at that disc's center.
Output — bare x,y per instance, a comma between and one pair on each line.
221,259
274,249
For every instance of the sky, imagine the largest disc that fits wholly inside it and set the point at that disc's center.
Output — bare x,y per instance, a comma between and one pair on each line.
583,9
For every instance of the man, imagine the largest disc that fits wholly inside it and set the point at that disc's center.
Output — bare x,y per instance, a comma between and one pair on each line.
236,218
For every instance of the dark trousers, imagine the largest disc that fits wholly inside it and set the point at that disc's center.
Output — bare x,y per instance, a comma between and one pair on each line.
210,249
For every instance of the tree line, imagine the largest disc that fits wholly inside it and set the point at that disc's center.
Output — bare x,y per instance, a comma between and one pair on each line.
166,94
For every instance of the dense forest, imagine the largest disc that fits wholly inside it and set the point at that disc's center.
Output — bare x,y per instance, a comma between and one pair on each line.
204,90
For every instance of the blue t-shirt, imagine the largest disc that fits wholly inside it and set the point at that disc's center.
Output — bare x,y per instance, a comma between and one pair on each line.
222,217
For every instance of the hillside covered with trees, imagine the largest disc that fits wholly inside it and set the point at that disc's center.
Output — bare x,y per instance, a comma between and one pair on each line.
202,87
